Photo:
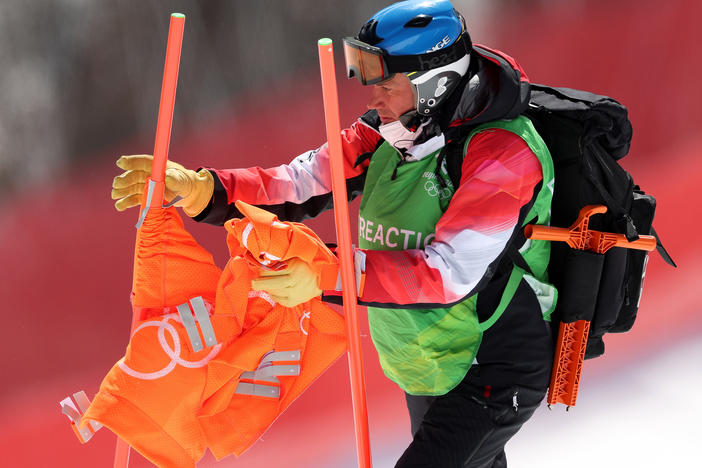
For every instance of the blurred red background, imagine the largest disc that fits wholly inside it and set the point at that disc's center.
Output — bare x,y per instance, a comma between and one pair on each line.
66,254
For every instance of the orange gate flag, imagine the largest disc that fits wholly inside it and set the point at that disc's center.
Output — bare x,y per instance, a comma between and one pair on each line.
156,185
212,364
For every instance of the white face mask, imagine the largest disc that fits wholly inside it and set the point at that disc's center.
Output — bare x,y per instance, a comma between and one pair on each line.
397,134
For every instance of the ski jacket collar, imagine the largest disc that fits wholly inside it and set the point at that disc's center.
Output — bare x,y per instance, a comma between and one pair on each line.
496,89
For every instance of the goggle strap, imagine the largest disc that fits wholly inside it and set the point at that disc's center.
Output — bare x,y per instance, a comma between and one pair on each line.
430,60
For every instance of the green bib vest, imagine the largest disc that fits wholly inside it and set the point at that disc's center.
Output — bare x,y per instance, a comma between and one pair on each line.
429,351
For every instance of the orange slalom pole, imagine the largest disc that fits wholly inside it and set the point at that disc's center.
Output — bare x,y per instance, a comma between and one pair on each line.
345,251
158,167
121,454
165,109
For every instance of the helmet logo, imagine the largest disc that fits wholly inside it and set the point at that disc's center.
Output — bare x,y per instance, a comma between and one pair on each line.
441,44
441,86
438,61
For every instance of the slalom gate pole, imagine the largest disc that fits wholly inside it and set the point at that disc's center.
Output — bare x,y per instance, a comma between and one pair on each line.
345,251
165,109
156,184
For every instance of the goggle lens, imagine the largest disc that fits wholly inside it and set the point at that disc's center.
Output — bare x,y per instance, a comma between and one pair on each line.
364,63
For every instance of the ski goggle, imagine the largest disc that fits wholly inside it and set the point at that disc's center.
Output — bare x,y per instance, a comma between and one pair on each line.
365,62
371,64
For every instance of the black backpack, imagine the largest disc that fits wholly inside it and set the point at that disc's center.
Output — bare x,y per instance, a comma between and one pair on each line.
586,135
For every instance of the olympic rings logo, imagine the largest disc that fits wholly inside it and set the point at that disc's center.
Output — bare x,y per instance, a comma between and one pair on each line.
174,353
434,190
305,315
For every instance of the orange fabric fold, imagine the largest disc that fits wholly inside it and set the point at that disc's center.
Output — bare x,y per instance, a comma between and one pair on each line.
170,267
171,402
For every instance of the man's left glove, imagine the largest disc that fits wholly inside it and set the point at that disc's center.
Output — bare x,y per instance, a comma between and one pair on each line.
292,286
194,188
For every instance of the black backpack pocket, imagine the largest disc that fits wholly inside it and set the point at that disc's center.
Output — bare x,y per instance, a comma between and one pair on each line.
610,299
579,285
643,209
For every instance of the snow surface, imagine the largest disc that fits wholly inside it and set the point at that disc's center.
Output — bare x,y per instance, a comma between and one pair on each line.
643,416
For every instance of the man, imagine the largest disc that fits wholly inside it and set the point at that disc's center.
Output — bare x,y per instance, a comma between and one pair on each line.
450,172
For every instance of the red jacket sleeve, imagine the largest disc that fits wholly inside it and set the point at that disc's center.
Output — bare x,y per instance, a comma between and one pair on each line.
294,191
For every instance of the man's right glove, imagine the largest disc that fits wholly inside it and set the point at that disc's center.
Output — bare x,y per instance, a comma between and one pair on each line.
295,284
195,188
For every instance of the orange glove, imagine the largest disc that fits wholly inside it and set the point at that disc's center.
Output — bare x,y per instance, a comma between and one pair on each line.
195,188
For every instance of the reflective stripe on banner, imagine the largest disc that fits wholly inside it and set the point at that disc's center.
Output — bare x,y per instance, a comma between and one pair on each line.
280,356
74,410
251,375
268,372
189,323
83,403
268,391
203,318
149,196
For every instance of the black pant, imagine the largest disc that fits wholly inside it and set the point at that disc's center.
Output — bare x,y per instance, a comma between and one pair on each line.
467,427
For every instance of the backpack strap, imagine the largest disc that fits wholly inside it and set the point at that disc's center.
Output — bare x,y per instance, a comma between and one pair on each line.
452,155
661,250
622,219
517,258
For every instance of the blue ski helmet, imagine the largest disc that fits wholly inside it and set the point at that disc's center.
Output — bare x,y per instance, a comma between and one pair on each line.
425,39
